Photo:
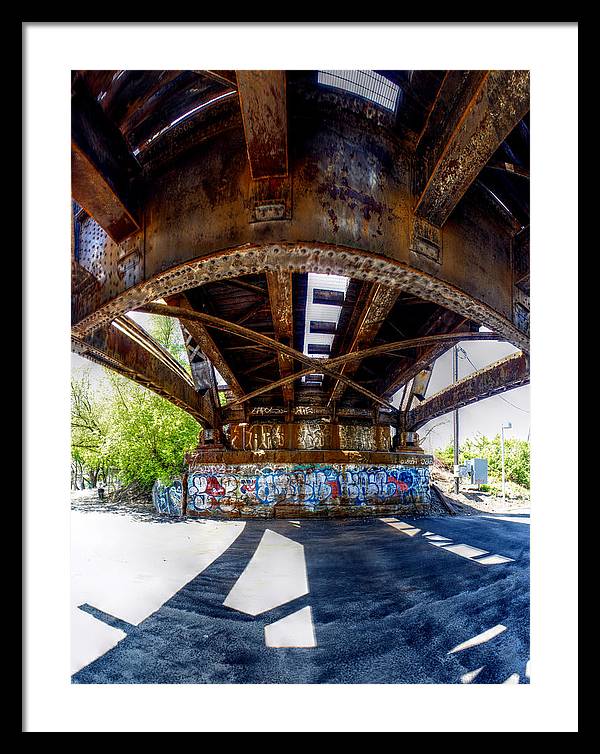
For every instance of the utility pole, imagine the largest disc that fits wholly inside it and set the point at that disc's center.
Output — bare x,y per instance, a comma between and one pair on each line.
455,379
502,428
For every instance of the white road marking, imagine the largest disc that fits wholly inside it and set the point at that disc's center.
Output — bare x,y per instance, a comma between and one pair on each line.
400,525
427,533
514,678
471,675
295,630
275,575
90,638
387,520
494,560
465,551
130,568
479,639
438,538
441,544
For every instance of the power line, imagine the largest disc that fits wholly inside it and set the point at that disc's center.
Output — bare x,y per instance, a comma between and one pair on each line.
461,350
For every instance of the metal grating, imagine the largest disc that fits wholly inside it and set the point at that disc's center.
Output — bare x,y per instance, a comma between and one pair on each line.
366,84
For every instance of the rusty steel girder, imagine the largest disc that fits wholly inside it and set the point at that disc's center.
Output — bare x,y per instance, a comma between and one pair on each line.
350,197
120,352
278,180
506,374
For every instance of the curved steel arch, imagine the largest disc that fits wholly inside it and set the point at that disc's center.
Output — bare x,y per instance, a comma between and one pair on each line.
299,257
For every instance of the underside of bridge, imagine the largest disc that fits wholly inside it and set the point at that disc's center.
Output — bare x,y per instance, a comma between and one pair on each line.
321,237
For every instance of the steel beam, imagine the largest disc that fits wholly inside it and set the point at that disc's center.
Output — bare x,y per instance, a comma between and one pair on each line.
359,355
499,103
506,374
208,346
375,311
279,284
264,112
102,169
316,365
440,321
120,352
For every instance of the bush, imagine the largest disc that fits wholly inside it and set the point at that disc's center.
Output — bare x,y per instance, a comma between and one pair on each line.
516,457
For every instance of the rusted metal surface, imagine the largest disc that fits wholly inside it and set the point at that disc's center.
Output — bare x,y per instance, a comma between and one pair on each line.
102,168
280,299
508,373
376,309
121,353
264,110
208,345
500,102
331,364
238,195
315,364
304,258
441,321
309,435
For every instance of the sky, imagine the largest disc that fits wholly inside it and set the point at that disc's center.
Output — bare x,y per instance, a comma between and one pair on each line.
484,417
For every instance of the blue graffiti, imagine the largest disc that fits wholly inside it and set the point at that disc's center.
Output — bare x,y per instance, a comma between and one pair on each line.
167,498
218,489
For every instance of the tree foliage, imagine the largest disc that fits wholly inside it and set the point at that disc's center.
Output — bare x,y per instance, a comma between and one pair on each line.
516,456
120,426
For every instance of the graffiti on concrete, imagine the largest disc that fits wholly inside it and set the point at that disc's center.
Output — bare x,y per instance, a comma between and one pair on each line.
167,498
222,488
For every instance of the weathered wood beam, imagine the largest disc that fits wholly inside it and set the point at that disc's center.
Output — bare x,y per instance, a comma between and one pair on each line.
376,309
499,103
120,352
506,374
204,339
279,284
264,113
102,168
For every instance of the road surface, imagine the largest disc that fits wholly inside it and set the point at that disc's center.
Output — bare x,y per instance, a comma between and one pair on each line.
397,600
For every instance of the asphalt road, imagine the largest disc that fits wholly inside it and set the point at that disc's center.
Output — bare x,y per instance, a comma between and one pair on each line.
386,608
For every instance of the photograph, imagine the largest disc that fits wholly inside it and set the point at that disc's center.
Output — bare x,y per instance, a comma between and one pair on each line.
296,328
298,301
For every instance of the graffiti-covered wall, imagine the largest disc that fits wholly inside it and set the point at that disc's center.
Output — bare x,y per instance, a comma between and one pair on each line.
335,489
168,499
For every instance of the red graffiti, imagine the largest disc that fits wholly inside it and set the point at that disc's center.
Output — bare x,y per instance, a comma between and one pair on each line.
400,486
213,487
335,487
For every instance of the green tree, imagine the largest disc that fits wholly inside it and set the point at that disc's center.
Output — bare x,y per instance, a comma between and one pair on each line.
148,435
119,425
90,461
516,457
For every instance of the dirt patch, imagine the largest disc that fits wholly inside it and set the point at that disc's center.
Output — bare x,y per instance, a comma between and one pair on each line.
473,502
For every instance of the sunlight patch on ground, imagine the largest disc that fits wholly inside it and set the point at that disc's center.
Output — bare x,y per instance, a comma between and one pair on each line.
129,568
479,639
90,638
295,630
276,574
